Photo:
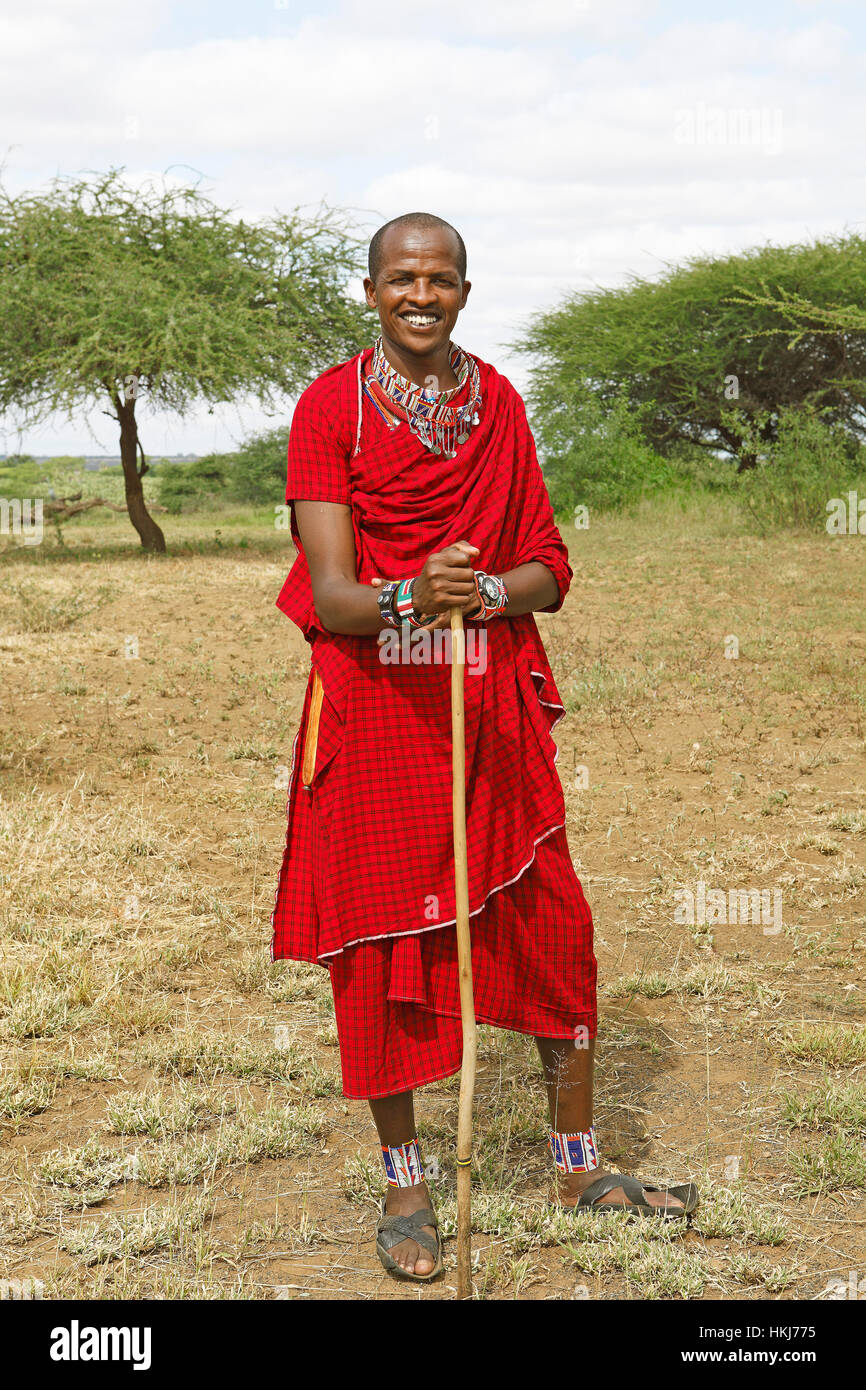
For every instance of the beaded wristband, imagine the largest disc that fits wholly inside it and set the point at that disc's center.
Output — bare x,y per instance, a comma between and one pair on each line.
489,610
404,605
385,600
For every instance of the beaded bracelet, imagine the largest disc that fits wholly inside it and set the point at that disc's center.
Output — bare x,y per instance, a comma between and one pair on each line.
385,600
492,595
396,604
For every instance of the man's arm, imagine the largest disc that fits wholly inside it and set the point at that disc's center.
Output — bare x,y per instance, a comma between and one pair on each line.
343,605
530,587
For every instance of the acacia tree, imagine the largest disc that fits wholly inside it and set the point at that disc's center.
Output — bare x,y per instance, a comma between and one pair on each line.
698,357
111,296
800,316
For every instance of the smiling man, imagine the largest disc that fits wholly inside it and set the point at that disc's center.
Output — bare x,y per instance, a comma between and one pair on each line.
414,487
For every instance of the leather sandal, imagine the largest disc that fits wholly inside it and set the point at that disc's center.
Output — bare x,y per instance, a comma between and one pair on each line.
392,1229
636,1192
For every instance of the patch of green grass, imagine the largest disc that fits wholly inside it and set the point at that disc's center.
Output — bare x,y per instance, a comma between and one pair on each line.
362,1181
649,1255
284,981
86,1174
160,1115
35,609
834,1162
272,1132
207,1055
732,1214
602,686
123,1236
20,1098
648,986
836,1044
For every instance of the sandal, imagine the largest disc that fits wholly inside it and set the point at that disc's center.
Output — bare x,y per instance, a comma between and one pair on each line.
636,1191
393,1229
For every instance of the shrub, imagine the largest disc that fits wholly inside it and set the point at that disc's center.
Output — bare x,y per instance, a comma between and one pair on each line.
810,462
194,485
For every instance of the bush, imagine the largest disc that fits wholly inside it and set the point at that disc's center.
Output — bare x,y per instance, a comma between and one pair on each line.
810,462
257,471
195,485
608,465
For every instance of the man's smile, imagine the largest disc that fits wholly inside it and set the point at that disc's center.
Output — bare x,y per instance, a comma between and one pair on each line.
416,320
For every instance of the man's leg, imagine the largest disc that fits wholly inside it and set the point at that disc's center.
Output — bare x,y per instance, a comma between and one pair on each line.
394,1117
568,1075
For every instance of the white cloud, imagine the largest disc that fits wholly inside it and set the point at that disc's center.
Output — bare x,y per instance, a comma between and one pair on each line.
552,134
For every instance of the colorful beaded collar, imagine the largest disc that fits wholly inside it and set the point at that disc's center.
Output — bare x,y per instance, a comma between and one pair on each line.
431,416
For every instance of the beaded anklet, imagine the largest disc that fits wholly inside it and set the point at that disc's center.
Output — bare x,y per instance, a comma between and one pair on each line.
574,1153
403,1164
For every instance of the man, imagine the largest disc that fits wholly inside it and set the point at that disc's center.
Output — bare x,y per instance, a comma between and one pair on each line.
415,487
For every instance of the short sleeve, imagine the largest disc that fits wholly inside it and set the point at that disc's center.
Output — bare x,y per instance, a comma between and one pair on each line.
318,455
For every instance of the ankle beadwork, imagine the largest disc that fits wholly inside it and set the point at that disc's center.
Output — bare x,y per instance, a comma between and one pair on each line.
403,1164
574,1153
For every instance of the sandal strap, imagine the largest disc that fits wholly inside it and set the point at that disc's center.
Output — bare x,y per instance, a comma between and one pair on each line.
394,1229
602,1186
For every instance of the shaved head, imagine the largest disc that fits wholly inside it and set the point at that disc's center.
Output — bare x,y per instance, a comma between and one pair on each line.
422,221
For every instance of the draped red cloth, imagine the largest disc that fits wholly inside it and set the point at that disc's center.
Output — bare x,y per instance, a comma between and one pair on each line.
369,853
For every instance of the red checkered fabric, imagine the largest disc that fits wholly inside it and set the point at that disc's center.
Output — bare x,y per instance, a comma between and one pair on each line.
369,860
397,999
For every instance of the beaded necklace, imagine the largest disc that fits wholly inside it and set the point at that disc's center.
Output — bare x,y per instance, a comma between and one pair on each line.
431,417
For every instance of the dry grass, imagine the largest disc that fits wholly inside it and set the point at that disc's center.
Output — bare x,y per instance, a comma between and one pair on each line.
170,1099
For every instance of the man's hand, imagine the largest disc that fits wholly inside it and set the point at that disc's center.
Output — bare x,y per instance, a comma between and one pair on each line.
447,581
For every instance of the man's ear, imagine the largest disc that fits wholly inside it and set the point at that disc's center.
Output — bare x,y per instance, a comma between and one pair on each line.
369,292
467,286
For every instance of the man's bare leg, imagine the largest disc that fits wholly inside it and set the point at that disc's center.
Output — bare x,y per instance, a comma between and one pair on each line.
394,1117
568,1075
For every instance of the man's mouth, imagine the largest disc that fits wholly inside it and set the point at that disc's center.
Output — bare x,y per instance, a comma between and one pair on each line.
420,320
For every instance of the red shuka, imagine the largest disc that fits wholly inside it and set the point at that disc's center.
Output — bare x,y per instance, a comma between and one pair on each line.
366,885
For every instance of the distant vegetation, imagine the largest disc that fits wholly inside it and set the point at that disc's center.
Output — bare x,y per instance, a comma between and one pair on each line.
741,378
743,374
110,294
254,473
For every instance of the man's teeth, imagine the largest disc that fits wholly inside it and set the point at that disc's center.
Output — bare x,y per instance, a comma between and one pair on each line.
420,320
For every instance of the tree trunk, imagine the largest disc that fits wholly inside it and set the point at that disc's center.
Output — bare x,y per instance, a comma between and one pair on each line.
151,535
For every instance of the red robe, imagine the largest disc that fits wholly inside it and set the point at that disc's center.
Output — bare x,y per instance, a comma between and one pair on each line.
366,885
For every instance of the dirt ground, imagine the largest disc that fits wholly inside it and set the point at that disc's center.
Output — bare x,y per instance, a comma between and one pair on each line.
171,1114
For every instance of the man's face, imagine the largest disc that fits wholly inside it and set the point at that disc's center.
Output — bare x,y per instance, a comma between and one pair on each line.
418,291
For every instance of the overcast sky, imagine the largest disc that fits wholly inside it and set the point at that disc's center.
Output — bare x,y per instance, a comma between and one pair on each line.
573,142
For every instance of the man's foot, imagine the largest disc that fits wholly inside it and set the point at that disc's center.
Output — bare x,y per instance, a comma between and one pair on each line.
571,1185
402,1201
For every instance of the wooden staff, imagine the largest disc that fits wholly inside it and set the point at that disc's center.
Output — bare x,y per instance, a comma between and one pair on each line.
464,961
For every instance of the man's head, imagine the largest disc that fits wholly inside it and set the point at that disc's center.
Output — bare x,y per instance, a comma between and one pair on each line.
417,281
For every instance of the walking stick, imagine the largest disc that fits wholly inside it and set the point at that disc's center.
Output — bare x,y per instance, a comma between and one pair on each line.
464,961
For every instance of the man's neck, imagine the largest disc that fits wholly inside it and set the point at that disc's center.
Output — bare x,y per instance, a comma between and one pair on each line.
421,369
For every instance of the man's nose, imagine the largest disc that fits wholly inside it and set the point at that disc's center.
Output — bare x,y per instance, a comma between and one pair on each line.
422,293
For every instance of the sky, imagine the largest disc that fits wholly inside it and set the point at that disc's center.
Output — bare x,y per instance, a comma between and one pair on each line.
574,143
